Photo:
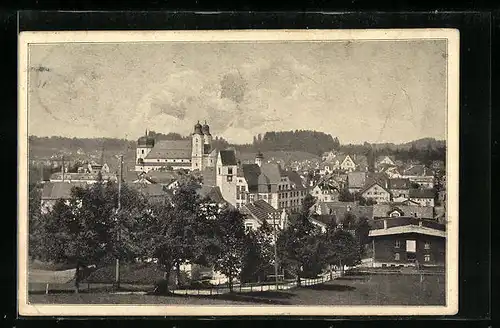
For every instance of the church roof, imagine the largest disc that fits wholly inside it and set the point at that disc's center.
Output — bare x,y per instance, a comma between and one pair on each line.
295,178
251,173
172,149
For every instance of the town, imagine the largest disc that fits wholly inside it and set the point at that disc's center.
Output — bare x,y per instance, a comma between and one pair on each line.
364,211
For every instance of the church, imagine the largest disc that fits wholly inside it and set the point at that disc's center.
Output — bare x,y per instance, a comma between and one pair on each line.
194,154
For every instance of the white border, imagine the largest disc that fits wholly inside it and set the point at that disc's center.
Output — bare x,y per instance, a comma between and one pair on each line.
452,169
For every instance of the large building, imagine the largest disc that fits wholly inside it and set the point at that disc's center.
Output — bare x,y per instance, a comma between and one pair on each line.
194,154
405,241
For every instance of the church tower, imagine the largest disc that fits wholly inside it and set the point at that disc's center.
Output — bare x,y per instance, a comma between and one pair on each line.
144,146
259,158
197,148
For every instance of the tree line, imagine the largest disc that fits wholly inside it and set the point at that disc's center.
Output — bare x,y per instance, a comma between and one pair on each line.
87,229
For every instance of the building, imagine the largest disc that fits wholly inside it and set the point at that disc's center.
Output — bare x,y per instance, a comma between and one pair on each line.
96,168
346,163
418,174
381,211
399,187
226,173
53,191
259,211
82,177
356,181
424,197
325,192
385,160
376,191
406,241
340,209
193,154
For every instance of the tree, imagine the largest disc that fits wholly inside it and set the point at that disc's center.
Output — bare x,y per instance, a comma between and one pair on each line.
258,253
299,245
349,221
36,224
342,249
362,229
230,233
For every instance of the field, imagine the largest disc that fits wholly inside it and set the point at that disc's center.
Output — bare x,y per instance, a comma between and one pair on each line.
359,289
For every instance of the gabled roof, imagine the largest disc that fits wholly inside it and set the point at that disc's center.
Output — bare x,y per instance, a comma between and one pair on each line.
421,193
172,149
295,178
274,172
339,209
213,193
408,229
415,170
399,184
59,190
228,157
259,210
251,173
356,179
372,183
150,190
383,210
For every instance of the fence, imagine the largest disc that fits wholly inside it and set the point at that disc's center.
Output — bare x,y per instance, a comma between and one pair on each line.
248,288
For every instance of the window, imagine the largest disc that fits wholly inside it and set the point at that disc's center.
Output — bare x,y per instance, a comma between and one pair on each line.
142,151
396,256
427,245
219,170
229,170
229,178
249,225
397,244
427,258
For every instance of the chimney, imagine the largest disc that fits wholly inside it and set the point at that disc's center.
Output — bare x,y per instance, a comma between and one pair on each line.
385,224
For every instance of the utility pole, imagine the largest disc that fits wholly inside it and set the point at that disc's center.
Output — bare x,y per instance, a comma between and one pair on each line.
275,250
62,167
117,267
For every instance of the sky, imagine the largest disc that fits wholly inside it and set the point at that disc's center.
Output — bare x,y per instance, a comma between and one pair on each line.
373,91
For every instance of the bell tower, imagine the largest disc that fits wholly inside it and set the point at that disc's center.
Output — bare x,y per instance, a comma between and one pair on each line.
197,139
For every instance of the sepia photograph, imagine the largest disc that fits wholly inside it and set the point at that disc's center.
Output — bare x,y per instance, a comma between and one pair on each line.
250,172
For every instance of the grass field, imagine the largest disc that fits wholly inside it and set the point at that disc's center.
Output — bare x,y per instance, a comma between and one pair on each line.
357,289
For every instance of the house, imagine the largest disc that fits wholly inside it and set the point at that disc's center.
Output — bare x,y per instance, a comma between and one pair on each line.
387,160
153,192
95,168
326,190
399,187
407,241
259,211
425,197
53,191
356,181
381,211
82,177
376,191
347,163
340,209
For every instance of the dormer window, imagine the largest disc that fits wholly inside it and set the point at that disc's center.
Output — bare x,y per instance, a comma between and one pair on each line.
395,214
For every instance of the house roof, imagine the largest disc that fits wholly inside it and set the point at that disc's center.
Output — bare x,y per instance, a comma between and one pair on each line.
274,172
173,149
415,170
356,179
59,190
370,183
228,157
407,229
383,210
259,210
381,158
339,209
251,173
213,193
421,193
209,176
82,176
295,178
399,184
325,219
150,190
